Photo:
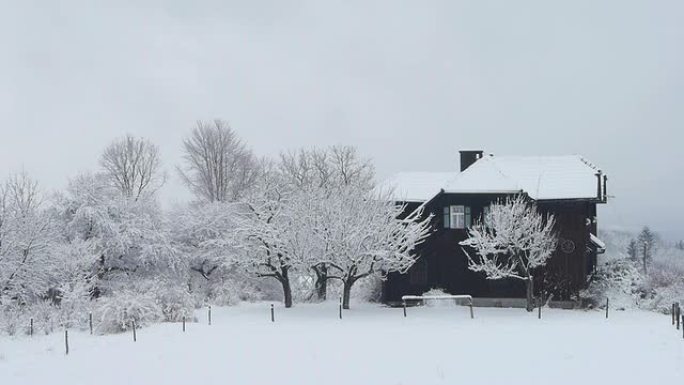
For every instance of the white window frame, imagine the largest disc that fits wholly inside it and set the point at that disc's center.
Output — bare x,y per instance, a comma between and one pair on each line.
457,217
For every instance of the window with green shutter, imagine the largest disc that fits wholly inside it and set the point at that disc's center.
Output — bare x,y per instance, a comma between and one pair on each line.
457,217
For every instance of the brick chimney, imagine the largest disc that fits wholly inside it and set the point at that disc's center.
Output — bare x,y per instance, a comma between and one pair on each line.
468,157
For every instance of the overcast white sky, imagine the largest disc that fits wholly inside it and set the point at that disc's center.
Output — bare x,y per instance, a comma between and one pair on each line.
410,83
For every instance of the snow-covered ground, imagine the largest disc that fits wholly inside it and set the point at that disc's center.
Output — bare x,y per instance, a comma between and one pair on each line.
371,345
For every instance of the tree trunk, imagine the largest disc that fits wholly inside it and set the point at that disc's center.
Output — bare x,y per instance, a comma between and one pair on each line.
321,288
530,293
645,270
321,284
287,289
346,292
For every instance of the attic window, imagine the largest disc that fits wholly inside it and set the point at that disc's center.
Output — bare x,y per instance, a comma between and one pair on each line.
457,217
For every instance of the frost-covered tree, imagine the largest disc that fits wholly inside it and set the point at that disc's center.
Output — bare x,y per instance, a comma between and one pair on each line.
205,233
131,264
266,234
647,242
218,166
127,237
511,241
321,173
132,166
363,236
633,250
26,237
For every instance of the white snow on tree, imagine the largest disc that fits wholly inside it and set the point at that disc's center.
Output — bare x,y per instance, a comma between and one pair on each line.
365,236
511,241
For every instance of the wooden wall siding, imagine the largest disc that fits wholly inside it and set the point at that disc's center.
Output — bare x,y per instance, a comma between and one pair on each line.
447,263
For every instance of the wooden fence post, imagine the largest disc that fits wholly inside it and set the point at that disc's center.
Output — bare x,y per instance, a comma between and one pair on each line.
90,321
540,306
31,328
340,307
607,304
183,324
404,303
209,315
66,341
679,312
135,337
470,304
272,314
673,313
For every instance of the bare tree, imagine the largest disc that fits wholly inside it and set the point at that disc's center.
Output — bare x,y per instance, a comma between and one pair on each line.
133,166
218,165
511,242
350,168
329,168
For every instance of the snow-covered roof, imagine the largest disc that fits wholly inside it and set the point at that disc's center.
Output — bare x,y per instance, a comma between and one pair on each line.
415,186
540,177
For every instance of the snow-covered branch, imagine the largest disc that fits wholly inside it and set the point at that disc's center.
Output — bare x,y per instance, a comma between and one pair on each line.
512,240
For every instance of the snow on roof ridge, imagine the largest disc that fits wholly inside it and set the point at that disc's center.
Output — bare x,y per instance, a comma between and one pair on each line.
541,177
588,163
493,159
414,186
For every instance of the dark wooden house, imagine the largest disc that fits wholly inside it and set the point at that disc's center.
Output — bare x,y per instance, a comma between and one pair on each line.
569,187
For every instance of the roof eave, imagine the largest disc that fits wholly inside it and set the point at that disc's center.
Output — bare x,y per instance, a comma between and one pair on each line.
580,199
484,192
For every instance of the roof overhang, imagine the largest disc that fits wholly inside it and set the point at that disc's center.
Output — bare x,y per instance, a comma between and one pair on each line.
483,191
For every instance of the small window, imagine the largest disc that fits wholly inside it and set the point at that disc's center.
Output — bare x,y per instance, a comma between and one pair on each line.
457,217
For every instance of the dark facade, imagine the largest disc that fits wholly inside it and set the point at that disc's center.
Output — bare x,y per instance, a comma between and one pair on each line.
443,264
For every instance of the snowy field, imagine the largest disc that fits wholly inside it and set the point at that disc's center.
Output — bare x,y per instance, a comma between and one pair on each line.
371,345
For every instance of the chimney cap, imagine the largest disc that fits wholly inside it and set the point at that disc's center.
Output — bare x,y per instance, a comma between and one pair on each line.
468,157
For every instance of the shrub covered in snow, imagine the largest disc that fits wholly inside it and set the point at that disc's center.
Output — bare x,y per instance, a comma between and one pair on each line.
437,292
625,284
368,289
618,280
47,317
13,320
175,303
622,279
117,312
